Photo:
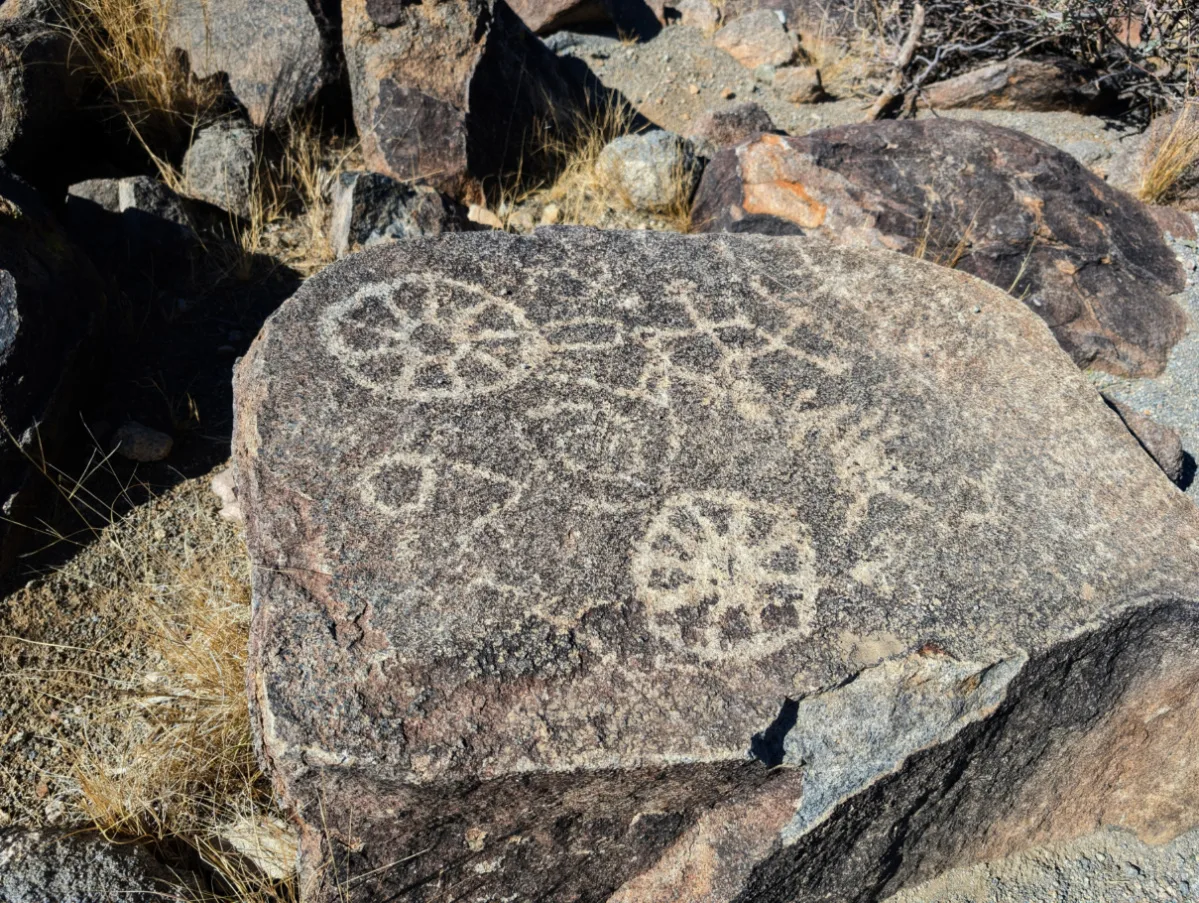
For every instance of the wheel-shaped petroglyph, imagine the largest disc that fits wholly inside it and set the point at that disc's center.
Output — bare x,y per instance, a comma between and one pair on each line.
721,574
422,338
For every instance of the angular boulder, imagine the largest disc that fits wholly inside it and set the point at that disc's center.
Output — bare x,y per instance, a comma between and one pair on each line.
221,167
1042,85
277,54
451,93
717,129
1161,443
547,16
1090,259
652,171
39,88
369,208
758,39
623,566
51,306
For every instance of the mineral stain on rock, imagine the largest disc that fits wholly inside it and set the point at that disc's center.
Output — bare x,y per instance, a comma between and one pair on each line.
615,566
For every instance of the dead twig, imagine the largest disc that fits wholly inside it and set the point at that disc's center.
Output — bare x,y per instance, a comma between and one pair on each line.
902,61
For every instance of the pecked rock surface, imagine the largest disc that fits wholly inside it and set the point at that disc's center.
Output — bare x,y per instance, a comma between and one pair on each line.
628,566
990,201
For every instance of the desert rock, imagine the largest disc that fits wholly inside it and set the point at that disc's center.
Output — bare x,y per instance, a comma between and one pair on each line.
992,202
757,39
450,93
653,171
628,566
276,53
1019,84
369,208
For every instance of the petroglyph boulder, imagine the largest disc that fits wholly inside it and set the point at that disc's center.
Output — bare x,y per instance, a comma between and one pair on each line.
630,566
993,202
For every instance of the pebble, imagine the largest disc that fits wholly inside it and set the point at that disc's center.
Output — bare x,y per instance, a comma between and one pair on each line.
136,442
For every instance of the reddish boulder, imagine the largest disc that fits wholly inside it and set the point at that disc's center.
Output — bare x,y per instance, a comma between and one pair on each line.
1021,84
757,39
451,93
1088,258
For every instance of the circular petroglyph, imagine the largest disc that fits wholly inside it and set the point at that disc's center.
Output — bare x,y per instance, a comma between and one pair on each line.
721,574
423,337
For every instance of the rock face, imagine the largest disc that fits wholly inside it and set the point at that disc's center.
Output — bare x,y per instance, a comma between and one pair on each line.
220,168
992,202
548,16
39,88
653,171
757,39
51,304
276,53
630,566
450,93
1020,84
37,867
369,208
799,84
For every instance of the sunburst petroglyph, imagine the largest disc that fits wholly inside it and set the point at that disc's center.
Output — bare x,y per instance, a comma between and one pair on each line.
720,573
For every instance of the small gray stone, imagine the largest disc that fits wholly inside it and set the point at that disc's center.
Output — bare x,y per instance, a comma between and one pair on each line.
369,208
140,443
220,167
651,171
1161,443
39,867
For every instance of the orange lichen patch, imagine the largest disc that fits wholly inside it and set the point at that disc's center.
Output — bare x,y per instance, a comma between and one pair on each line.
774,184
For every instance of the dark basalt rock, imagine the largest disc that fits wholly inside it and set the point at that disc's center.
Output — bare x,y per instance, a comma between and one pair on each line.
1088,258
624,566
451,93
51,307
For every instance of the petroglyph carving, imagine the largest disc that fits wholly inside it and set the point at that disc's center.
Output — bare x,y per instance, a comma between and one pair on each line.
423,337
721,574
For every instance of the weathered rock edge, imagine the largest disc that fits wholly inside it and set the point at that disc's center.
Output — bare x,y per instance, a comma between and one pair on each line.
1028,701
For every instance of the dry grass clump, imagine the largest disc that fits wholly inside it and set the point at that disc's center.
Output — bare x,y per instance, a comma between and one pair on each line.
125,43
1172,156
583,192
138,648
291,204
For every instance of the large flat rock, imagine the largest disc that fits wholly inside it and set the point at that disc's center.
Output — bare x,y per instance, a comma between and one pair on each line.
627,566
994,202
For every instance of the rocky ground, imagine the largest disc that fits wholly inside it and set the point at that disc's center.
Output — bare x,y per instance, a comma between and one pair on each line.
1173,397
125,620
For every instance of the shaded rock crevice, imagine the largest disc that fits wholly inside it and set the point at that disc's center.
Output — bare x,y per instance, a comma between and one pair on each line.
967,799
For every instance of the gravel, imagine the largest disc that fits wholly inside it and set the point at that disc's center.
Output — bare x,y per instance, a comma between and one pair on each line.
1171,399
1110,866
